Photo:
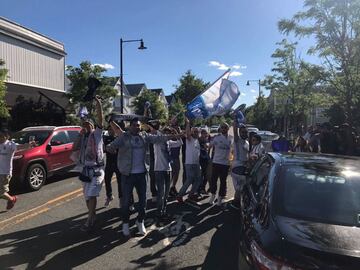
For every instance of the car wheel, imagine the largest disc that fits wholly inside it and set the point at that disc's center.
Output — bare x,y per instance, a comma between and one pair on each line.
35,176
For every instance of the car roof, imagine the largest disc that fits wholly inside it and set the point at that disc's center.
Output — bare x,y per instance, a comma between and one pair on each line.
48,128
316,159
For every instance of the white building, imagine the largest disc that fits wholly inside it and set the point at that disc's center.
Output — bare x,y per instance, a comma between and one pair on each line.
35,64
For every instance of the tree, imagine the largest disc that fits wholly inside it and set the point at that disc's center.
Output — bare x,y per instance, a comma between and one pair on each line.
295,85
79,77
260,114
158,109
4,112
335,25
177,109
189,87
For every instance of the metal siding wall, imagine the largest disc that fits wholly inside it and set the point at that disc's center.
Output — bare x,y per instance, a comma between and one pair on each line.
31,65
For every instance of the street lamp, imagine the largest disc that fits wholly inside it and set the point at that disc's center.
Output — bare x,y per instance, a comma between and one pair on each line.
258,81
141,47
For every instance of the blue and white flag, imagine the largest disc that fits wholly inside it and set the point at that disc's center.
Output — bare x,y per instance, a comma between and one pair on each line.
83,112
216,100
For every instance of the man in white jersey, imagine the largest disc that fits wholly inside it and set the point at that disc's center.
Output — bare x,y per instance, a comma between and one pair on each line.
221,162
7,150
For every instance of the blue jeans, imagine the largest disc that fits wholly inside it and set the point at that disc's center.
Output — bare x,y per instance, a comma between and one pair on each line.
163,187
128,182
193,177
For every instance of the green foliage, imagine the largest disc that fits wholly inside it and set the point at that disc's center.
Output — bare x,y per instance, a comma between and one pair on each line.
295,84
79,77
335,25
158,109
27,112
177,110
260,114
190,86
4,112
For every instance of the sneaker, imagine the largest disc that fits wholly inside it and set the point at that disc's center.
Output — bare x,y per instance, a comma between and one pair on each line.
141,227
154,199
180,199
220,201
108,201
212,199
125,229
11,203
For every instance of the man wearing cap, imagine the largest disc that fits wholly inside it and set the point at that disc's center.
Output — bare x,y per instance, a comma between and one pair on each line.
7,150
90,144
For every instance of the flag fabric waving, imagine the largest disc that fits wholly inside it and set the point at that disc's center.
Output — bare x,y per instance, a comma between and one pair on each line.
216,100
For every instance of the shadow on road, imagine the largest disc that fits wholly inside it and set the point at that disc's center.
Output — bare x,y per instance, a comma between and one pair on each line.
61,245
47,246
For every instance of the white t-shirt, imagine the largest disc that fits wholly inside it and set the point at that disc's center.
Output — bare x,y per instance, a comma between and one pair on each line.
138,154
94,151
241,150
222,147
7,150
192,151
162,155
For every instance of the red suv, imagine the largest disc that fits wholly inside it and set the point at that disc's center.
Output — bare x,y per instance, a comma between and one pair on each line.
41,152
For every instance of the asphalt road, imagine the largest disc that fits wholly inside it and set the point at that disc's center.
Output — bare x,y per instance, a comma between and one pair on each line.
43,232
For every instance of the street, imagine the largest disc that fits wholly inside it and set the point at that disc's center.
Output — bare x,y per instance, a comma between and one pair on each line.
43,232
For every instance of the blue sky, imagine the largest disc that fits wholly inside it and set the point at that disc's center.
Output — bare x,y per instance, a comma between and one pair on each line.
179,34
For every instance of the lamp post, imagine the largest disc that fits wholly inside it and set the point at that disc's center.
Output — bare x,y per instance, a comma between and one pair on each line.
141,47
258,81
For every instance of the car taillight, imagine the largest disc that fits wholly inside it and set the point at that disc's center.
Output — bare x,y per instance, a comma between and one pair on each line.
265,262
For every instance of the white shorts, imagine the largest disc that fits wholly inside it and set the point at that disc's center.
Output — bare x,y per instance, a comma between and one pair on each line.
93,188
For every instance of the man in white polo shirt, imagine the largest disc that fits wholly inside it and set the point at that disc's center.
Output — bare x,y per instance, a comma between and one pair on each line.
221,162
7,150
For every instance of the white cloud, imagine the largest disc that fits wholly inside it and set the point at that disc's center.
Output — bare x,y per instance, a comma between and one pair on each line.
253,91
243,67
214,64
235,74
255,97
223,67
243,94
236,66
107,66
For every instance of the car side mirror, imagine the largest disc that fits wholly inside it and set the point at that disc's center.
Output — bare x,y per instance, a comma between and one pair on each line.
48,148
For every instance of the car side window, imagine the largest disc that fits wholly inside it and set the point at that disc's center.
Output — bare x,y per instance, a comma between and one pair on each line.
259,178
73,135
59,139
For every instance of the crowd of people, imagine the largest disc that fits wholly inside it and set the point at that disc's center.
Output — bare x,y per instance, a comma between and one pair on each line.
148,150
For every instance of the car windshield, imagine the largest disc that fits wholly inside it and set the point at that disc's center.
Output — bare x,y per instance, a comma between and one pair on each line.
324,194
39,136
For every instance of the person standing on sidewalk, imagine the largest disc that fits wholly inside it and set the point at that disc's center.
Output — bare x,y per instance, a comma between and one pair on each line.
91,146
221,163
7,150
192,165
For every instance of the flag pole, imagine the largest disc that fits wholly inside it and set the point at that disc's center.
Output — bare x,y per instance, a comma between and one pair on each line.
210,85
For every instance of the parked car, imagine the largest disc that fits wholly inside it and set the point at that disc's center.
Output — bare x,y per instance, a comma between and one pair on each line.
205,127
266,138
48,153
302,211
251,128
214,129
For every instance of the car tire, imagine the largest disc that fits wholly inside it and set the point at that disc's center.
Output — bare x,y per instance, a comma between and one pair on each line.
35,176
